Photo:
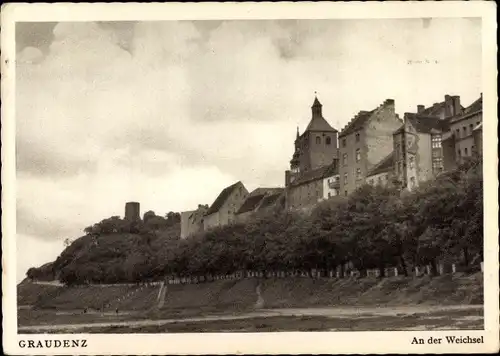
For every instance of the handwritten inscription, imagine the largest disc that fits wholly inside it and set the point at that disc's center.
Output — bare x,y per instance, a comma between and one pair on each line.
424,61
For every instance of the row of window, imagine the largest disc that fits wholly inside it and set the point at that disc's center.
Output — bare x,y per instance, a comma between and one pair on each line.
466,151
358,176
465,132
436,141
437,164
358,157
344,140
380,180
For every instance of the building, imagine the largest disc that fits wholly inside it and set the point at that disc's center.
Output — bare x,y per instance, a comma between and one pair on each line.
462,128
316,148
261,199
424,145
309,188
364,142
382,173
192,221
331,181
223,210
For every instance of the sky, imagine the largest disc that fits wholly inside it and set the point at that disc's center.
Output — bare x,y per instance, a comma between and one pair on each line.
168,113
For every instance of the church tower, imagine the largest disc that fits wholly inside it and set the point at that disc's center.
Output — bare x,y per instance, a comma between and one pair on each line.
316,147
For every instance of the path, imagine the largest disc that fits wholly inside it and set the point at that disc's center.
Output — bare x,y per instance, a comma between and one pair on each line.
335,312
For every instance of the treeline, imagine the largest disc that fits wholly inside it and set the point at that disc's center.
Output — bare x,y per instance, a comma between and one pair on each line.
375,227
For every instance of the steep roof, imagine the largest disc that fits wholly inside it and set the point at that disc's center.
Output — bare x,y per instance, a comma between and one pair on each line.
425,124
226,192
475,107
357,123
433,110
250,203
385,165
319,124
269,200
258,197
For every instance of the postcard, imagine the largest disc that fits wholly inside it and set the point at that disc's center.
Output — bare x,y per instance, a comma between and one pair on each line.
249,178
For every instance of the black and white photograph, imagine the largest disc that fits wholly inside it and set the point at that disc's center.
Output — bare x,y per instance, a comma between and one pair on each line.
241,176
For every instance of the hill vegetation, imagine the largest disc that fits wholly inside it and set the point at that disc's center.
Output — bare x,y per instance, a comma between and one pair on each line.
375,227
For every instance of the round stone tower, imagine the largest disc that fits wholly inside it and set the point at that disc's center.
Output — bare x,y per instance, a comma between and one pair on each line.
132,211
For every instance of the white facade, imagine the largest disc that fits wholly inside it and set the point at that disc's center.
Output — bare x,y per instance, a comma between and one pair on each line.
331,186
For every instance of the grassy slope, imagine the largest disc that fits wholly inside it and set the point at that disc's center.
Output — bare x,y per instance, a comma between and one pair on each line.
277,293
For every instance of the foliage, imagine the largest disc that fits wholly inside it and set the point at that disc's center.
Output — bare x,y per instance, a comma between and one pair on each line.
375,227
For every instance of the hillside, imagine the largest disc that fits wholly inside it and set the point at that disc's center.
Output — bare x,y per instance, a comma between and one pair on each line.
234,295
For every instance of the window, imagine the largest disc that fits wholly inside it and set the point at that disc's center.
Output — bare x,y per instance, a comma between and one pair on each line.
458,152
465,152
318,140
357,137
412,161
358,155
412,182
344,143
436,141
345,178
370,182
471,127
358,173
328,140
345,192
329,195
400,167
344,159
379,180
437,164
465,130
458,133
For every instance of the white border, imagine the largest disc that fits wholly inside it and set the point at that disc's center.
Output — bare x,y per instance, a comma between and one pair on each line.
262,343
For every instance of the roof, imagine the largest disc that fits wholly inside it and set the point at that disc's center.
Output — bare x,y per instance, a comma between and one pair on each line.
258,197
385,165
478,127
475,107
316,174
434,110
357,123
250,203
319,124
269,200
226,192
401,129
426,124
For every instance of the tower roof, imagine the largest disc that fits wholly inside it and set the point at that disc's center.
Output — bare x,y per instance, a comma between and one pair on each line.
318,122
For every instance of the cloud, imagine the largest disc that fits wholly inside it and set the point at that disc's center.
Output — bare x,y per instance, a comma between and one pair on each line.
169,113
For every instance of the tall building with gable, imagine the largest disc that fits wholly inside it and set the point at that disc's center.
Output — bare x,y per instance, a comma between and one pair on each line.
364,142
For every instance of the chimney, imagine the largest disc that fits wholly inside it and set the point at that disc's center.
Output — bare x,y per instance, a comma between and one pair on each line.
132,211
389,102
456,105
420,108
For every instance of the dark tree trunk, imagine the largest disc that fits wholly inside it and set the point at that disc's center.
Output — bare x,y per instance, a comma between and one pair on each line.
403,265
466,256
